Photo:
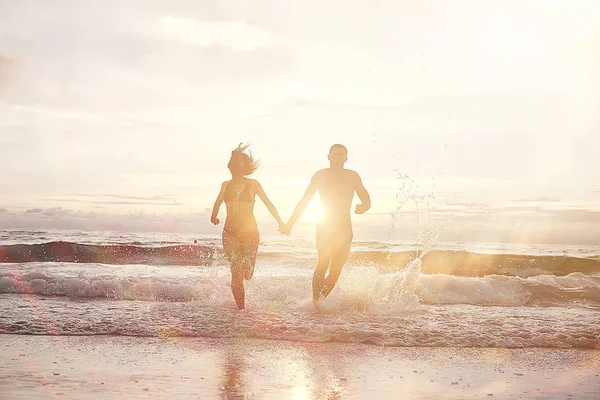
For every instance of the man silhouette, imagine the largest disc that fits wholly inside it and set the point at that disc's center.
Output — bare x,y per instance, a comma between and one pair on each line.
336,186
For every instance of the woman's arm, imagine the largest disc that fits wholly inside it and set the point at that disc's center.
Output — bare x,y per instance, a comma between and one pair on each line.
263,196
215,211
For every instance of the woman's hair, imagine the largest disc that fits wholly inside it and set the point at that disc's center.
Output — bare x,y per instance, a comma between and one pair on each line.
249,163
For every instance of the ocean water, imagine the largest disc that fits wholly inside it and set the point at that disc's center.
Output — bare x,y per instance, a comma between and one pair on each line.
389,294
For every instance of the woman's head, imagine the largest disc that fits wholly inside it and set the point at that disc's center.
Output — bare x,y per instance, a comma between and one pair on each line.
242,162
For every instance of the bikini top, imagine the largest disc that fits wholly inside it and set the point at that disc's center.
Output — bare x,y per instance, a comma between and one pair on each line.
243,196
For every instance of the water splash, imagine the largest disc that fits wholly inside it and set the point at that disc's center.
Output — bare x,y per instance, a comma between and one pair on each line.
399,291
410,194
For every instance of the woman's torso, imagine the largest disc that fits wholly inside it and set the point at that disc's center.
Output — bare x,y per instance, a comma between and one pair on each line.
239,201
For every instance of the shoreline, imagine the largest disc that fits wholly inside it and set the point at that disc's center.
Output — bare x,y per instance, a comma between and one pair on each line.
141,367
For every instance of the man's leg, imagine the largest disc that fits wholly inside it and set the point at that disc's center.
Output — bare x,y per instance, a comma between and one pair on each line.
318,281
339,256
324,257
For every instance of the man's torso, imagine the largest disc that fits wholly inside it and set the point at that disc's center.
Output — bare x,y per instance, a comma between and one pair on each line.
336,190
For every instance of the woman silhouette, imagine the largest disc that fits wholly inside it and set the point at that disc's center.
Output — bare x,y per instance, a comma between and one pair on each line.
240,233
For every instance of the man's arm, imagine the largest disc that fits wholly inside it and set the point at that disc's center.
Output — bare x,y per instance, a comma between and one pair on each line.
363,195
308,195
217,205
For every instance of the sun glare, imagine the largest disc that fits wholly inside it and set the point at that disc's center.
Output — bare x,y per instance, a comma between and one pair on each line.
314,212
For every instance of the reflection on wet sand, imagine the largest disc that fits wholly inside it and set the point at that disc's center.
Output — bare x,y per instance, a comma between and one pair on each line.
300,372
233,385
135,368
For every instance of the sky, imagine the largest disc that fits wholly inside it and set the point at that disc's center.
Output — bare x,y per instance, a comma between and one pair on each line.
478,118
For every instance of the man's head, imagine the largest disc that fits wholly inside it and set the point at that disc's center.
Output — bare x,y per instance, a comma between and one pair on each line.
338,155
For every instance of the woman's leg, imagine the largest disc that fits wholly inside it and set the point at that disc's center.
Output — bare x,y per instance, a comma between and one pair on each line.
237,285
250,251
232,249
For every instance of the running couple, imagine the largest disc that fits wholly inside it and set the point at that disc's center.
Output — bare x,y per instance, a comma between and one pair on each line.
336,186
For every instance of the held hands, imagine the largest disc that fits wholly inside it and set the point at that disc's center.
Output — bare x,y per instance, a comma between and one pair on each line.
361,208
284,229
214,220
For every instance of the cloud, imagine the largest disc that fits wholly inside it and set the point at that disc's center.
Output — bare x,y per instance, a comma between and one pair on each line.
583,216
167,202
578,226
54,211
171,203
469,205
117,200
145,198
63,218
304,103
34,210
149,58
520,209
7,66
538,200
239,36
3,210
81,195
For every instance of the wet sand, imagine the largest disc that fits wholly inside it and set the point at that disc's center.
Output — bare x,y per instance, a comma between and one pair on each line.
100,367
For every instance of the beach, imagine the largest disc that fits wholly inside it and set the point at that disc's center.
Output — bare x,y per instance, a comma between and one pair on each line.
100,367
97,315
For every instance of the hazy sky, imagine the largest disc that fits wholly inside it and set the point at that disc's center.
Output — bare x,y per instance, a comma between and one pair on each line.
122,114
